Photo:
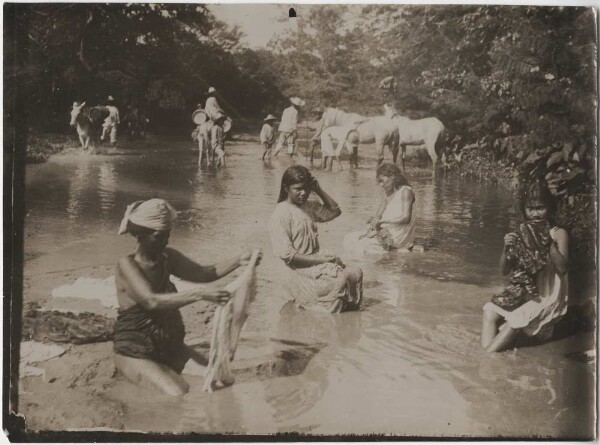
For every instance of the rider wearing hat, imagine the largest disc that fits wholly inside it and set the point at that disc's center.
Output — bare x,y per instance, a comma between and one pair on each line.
267,135
111,122
212,107
287,126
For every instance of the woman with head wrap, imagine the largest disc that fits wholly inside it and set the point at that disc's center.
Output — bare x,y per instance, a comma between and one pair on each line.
149,332
314,279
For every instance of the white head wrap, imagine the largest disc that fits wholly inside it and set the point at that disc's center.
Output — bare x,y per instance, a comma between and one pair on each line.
155,214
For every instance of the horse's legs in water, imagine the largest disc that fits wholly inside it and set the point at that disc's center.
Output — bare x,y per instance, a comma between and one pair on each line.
403,156
394,150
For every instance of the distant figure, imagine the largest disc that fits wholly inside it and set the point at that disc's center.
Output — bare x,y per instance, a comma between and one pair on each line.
536,255
212,107
111,122
217,140
393,225
287,127
330,134
267,135
314,279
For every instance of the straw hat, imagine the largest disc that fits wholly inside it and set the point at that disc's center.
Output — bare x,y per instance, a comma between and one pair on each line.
212,90
269,117
110,98
297,101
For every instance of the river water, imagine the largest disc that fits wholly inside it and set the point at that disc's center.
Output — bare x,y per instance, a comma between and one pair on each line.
408,364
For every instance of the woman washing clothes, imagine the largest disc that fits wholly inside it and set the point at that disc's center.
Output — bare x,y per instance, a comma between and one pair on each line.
393,225
315,280
536,256
149,331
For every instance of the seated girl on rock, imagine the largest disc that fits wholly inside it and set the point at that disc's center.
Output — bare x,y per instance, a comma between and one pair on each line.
536,256
393,225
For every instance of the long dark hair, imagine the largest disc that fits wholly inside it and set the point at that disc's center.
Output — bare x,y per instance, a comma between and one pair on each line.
392,171
537,192
296,174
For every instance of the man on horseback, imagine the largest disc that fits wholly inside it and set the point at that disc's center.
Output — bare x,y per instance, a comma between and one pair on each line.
212,108
287,126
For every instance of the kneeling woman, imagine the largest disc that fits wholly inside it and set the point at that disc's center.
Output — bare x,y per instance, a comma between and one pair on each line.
393,225
149,332
315,280
536,257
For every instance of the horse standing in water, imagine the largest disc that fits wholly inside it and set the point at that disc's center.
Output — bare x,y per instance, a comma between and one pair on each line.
429,132
380,130
88,121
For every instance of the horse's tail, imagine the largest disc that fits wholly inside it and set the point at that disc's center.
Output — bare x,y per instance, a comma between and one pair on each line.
440,143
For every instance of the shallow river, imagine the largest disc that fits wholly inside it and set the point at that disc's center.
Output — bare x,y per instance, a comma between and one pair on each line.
408,364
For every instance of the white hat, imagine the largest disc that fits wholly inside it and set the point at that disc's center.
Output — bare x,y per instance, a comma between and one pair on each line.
297,101
270,117
212,90
110,98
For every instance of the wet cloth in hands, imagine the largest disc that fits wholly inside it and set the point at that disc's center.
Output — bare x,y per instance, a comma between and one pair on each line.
527,256
66,327
227,325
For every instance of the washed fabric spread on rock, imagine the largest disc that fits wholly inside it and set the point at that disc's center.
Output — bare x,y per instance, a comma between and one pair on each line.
227,325
66,327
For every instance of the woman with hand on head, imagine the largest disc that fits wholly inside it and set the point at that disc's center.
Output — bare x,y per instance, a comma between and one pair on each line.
149,331
536,256
315,280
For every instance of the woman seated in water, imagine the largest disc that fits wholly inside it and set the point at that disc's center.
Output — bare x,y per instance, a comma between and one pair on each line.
393,225
536,257
314,279
149,332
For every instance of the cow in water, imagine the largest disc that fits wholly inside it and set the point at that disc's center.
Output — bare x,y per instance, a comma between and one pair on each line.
88,122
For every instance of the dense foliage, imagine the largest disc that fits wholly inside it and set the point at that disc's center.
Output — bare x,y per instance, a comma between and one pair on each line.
161,57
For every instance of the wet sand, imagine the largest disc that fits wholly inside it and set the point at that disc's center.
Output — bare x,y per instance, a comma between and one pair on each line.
408,364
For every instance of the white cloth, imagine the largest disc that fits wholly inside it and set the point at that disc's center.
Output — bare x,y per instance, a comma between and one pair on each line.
212,108
537,317
289,120
155,214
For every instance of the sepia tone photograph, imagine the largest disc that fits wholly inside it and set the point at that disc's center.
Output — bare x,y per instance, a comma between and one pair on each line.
299,221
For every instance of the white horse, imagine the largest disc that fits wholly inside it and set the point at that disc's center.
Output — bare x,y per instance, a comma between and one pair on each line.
429,132
380,130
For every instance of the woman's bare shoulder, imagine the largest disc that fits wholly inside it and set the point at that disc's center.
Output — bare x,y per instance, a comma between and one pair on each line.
558,233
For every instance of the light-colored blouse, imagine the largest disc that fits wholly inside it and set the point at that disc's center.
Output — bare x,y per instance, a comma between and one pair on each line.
293,229
402,234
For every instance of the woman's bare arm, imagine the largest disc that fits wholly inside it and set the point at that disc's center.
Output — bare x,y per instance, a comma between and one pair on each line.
559,250
139,289
187,269
302,261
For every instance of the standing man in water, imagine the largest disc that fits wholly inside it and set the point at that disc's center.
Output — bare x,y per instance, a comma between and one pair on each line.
287,126
111,122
